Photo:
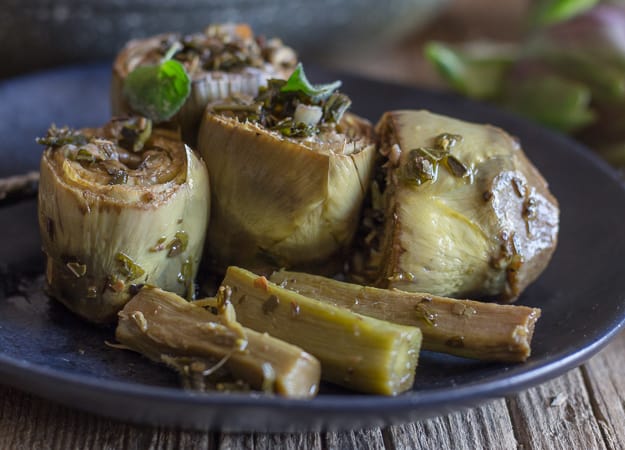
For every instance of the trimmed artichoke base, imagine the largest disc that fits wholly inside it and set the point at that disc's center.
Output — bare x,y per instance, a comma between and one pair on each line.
102,239
280,201
486,232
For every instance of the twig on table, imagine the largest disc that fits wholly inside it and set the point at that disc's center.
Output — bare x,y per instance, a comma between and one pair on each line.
19,187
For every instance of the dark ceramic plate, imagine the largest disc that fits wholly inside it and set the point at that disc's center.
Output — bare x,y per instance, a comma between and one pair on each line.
46,350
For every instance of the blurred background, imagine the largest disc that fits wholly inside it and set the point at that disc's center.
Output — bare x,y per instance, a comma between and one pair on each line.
560,63
41,33
354,34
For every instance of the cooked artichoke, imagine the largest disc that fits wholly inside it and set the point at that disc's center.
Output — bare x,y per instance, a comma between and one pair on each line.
119,207
467,328
221,61
355,351
465,213
202,345
287,187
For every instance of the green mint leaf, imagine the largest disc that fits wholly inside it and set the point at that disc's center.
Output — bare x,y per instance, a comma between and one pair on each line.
298,82
158,92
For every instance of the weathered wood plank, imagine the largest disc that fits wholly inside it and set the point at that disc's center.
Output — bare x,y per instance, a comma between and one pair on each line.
262,441
606,383
28,422
485,427
576,420
370,439
556,415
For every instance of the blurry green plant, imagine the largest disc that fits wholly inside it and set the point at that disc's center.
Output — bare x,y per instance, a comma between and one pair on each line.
568,73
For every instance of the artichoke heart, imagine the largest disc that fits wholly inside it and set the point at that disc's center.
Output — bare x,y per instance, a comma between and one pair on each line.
119,207
221,61
465,212
283,197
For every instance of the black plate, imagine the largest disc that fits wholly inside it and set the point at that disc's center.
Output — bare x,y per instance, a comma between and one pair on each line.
46,350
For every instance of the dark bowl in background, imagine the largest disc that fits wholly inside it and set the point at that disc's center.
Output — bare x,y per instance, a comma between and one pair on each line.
42,33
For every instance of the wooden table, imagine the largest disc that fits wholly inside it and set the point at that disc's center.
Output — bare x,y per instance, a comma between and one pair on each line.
583,409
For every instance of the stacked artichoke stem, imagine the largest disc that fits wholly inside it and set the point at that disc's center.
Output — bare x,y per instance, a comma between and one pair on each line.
355,351
206,347
107,228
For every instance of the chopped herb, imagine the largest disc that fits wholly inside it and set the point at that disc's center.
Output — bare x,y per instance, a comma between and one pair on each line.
119,177
134,133
220,47
424,314
79,270
57,137
182,275
270,304
455,342
423,162
336,105
295,108
432,153
186,277
421,167
455,167
160,245
127,267
84,155
179,244
290,128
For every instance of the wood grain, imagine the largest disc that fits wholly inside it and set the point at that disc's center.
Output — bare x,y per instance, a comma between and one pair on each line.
556,415
605,381
262,441
485,427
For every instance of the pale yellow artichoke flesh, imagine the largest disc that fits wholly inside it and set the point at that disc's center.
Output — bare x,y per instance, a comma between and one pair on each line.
463,236
283,202
100,239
